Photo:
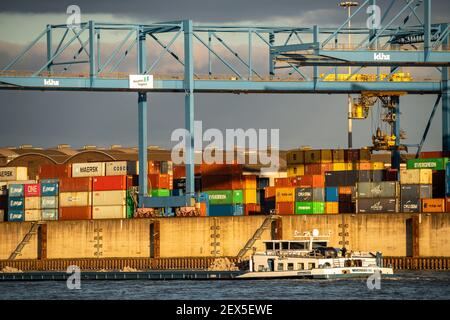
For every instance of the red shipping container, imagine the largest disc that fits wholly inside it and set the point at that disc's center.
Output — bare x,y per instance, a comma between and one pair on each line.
270,192
318,168
221,182
309,181
221,169
160,181
75,213
32,190
252,209
285,182
391,175
447,204
55,171
431,154
75,184
180,171
284,208
112,183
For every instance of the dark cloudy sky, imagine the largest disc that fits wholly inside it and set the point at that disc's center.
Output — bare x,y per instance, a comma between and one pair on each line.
50,118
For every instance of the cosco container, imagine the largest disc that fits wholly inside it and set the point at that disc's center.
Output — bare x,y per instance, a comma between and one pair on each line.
382,205
120,168
410,205
49,189
13,173
49,202
385,189
90,169
75,199
225,197
49,214
16,190
220,210
433,164
109,212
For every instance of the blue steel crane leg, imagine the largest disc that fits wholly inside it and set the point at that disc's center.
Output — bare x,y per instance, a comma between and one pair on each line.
395,155
92,67
445,103
142,123
49,47
189,106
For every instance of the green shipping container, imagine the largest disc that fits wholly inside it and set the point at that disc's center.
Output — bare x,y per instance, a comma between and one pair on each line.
160,192
130,205
303,207
318,207
225,197
434,164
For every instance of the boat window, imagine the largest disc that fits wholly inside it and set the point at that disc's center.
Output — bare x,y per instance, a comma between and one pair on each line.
277,245
297,246
285,245
280,267
311,265
269,245
290,267
260,268
300,266
319,244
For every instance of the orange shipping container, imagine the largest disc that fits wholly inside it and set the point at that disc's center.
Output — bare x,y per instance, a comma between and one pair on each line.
345,190
160,181
221,182
270,192
318,168
75,184
284,208
249,182
331,207
433,205
75,213
221,169
252,209
364,166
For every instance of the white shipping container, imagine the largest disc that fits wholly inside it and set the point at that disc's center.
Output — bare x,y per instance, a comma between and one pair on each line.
121,168
109,212
416,176
90,169
32,215
75,199
49,214
32,203
109,198
3,188
49,202
13,173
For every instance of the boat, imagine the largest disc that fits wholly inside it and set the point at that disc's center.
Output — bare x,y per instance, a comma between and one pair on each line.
309,256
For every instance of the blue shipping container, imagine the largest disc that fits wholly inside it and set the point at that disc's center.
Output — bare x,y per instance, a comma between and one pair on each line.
16,215
202,197
16,203
49,189
225,210
16,190
331,194
177,192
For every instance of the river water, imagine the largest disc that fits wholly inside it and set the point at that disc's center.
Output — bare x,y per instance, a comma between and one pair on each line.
404,285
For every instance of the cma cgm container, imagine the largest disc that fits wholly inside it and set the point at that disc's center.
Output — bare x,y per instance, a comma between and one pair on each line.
13,173
381,205
90,169
387,189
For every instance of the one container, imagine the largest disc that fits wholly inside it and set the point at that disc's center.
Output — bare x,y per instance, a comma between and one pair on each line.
49,214
55,171
108,183
303,194
416,191
432,163
318,207
221,210
312,156
331,207
326,156
15,215
90,169
109,198
377,165
49,202
32,203
75,185
284,208
223,197
75,213
160,193
433,205
120,168
160,181
410,205
331,194
296,170
16,190
285,195
295,157
416,176
304,207
249,196
49,189
33,215
249,182
377,189
16,203
339,166
32,190
75,199
319,194
109,212
338,155
270,192
13,173
384,205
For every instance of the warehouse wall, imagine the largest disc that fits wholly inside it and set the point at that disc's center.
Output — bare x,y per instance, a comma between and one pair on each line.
194,236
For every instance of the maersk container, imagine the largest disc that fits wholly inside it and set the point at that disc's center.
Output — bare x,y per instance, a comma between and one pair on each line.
222,210
386,189
16,203
90,169
16,190
16,215
332,194
49,202
225,197
13,173
49,189
432,163
49,214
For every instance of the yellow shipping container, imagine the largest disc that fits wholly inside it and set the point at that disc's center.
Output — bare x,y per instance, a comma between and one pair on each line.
377,165
339,166
109,212
75,199
297,170
295,157
312,156
33,215
416,176
363,166
250,196
285,195
32,203
331,207
109,198
249,182
350,166
338,155
326,156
